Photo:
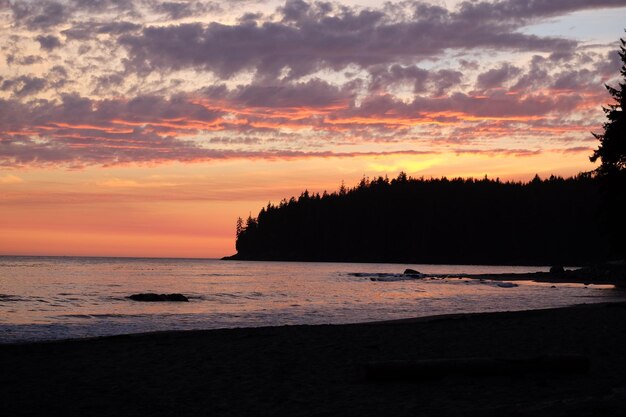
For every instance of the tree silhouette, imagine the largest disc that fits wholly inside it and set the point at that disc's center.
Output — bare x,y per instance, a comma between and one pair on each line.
612,149
437,220
612,169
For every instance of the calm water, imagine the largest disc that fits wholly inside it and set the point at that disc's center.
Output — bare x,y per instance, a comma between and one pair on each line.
43,298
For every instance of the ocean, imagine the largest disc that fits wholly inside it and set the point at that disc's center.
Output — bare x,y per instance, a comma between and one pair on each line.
50,298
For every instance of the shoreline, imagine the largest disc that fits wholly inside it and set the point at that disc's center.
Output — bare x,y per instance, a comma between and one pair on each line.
546,277
408,320
318,369
237,257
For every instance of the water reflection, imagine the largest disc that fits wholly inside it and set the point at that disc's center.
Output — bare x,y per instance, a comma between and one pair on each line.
48,298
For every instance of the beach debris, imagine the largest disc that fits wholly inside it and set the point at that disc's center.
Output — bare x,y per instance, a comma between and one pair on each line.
427,369
158,297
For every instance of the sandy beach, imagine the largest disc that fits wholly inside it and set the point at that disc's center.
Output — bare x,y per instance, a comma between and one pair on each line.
320,370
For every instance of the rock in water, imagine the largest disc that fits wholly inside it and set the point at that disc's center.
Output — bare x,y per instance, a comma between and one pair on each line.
506,285
557,269
411,272
158,297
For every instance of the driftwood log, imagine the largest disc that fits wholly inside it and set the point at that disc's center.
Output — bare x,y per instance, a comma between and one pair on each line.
474,367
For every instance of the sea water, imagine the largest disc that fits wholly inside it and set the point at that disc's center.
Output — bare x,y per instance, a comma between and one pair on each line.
48,298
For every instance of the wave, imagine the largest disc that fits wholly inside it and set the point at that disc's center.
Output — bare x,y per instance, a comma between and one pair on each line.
217,275
102,316
9,297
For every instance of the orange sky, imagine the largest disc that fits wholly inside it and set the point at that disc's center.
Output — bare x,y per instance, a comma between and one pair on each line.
146,129
189,210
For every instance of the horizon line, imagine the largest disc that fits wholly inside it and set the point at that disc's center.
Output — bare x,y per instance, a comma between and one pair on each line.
110,257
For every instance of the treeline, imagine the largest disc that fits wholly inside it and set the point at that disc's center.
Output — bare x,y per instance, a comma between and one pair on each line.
417,220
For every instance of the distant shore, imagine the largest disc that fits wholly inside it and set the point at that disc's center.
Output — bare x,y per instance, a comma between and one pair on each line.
586,276
319,370
598,274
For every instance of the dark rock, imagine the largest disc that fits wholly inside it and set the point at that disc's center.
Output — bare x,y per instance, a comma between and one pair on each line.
557,269
410,271
158,297
506,285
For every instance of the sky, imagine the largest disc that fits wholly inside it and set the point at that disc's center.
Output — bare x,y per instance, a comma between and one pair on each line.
146,127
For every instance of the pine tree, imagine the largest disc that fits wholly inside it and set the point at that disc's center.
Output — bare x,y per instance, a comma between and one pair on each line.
612,149
239,227
612,169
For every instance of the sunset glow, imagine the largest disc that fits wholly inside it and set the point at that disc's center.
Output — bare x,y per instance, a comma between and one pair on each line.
143,128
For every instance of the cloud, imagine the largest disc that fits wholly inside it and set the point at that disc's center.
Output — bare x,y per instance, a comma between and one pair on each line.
24,85
47,14
39,15
82,31
175,10
524,9
23,60
312,79
314,93
496,77
48,42
311,36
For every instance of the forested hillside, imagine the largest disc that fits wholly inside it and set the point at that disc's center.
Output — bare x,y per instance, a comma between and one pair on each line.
405,219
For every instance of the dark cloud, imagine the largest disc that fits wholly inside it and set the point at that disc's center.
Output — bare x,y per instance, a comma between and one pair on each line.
250,17
106,82
45,14
286,106
435,82
387,110
80,132
317,35
384,77
295,10
116,28
535,76
175,10
103,5
610,65
579,72
312,94
40,14
48,42
57,76
524,9
444,80
24,85
573,80
497,77
23,60
87,30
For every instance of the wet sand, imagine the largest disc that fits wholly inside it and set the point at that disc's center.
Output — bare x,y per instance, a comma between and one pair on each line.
320,370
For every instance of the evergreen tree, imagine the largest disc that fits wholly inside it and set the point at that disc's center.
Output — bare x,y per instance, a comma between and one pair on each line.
239,227
612,149
545,221
612,169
